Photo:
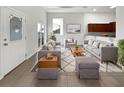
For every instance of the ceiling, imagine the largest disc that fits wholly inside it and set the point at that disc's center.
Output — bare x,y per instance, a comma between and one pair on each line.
79,9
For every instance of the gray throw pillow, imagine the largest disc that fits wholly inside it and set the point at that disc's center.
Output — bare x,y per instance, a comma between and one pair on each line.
44,47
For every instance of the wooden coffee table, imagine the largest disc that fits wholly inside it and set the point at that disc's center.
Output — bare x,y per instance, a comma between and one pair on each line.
48,63
78,51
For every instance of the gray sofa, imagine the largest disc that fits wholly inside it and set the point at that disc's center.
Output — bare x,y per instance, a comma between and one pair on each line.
56,51
104,51
49,73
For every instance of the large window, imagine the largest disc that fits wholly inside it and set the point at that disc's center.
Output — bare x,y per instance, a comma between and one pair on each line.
57,26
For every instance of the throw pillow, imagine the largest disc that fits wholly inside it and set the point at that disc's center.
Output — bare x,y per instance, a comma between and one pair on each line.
52,42
70,40
50,47
44,47
90,42
100,45
96,44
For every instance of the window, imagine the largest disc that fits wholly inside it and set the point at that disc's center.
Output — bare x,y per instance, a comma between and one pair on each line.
15,28
40,30
57,26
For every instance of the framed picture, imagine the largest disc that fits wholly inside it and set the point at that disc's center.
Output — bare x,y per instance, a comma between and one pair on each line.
73,28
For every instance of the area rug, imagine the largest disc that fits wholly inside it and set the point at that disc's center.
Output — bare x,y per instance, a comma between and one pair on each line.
68,63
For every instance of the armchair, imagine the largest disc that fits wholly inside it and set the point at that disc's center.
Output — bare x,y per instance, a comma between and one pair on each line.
109,54
70,43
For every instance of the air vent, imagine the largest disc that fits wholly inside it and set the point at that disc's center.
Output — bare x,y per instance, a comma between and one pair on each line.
84,6
66,6
73,7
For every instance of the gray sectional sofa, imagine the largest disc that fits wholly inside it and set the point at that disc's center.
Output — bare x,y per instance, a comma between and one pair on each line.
104,51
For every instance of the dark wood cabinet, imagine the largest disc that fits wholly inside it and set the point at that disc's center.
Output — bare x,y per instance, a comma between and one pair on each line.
112,26
101,27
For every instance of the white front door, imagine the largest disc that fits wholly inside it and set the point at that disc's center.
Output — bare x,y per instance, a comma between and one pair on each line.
13,39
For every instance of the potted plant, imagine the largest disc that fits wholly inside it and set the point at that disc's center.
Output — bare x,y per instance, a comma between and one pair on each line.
121,51
52,36
77,47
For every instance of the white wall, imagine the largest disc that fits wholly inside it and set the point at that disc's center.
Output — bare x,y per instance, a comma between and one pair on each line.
80,18
0,45
69,18
34,14
120,22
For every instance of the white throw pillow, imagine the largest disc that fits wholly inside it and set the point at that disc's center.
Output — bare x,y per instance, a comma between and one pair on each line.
96,44
100,45
52,42
70,40
90,42
50,47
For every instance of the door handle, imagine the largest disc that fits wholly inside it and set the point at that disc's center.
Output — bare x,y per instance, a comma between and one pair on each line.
5,44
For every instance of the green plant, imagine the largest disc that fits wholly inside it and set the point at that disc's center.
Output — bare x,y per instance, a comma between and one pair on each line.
52,36
121,51
77,46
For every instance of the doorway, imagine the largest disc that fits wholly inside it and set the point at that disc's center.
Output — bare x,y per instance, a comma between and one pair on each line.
12,39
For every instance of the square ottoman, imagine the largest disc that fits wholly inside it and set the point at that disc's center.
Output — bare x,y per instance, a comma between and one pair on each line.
47,73
87,68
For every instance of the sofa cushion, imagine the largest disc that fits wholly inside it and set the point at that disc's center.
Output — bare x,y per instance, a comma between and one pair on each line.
96,51
88,47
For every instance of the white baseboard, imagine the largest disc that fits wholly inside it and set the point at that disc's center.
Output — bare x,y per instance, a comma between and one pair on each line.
33,53
1,77
30,56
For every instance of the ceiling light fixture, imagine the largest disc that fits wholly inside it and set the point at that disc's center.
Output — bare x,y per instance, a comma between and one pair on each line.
94,10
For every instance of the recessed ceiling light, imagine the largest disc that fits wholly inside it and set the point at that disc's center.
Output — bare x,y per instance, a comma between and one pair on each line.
94,10
112,6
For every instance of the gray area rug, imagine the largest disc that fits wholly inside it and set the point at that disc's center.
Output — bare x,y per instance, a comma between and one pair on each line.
68,62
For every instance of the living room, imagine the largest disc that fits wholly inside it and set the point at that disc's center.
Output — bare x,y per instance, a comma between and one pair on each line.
72,17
